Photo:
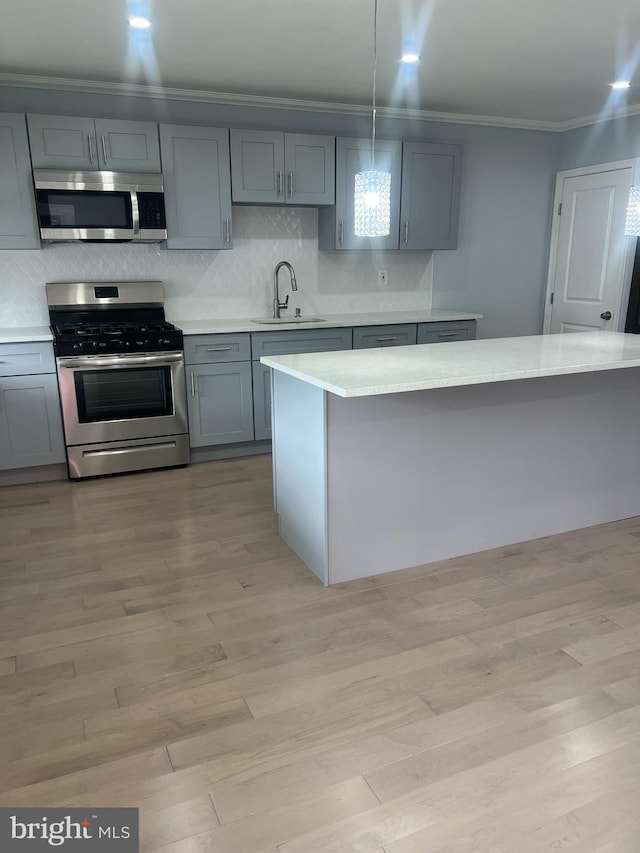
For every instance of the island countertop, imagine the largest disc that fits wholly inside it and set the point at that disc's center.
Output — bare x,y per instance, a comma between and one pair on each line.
368,372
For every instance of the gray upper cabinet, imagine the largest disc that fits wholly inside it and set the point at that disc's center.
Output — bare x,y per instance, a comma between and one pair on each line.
310,167
18,223
197,183
336,225
430,196
269,167
128,146
72,142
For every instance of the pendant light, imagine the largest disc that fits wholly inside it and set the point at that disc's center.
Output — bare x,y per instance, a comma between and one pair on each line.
632,224
372,195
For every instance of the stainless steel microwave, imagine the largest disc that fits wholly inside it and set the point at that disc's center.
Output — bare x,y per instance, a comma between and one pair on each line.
100,207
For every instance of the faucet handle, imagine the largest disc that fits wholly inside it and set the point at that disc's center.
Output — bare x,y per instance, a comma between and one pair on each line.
285,303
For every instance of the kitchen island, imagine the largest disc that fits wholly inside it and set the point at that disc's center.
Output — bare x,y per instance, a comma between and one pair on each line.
390,458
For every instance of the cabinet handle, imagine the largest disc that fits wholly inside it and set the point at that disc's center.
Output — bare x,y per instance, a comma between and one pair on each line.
104,147
227,231
91,154
383,340
218,349
447,334
406,231
279,189
193,384
290,184
341,232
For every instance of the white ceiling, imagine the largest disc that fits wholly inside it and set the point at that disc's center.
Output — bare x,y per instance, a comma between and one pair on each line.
544,60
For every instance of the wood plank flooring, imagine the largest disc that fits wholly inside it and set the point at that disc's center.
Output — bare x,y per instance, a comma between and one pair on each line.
160,647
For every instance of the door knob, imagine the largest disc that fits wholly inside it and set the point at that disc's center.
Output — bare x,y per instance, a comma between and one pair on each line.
606,315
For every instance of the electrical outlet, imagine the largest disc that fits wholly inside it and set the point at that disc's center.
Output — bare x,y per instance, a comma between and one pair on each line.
382,277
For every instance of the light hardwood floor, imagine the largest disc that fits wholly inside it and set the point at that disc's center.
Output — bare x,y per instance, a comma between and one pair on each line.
161,648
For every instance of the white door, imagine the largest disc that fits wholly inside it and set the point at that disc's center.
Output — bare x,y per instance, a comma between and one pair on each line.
589,264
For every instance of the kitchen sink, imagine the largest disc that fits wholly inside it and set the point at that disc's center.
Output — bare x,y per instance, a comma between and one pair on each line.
277,321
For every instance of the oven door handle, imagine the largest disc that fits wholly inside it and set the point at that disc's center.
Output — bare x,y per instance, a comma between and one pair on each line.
121,360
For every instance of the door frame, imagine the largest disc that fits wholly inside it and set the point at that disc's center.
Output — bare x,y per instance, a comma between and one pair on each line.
621,315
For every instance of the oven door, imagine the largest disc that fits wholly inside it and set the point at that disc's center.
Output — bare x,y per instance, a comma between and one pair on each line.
122,397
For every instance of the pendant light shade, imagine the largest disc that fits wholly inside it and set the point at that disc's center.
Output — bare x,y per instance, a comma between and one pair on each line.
372,189
632,224
372,203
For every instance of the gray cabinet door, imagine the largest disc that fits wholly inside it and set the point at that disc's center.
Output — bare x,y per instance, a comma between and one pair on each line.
261,400
440,333
220,403
336,226
18,223
257,166
127,146
30,421
197,184
72,142
62,142
430,196
310,166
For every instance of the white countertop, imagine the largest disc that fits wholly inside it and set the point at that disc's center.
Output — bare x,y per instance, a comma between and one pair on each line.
25,334
329,321
390,370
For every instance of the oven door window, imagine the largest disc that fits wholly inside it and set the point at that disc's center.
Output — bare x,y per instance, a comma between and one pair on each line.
126,393
84,209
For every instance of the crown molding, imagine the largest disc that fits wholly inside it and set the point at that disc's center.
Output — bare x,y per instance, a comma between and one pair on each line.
599,118
98,87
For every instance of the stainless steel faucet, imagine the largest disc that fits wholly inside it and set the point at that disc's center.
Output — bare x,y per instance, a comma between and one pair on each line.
277,305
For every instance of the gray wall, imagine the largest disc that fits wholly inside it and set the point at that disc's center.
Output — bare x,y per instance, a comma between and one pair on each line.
499,268
604,142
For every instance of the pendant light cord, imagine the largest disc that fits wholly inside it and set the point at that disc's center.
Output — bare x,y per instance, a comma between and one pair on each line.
375,62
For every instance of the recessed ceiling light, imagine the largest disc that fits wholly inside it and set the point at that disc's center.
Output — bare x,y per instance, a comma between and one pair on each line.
139,23
621,84
410,57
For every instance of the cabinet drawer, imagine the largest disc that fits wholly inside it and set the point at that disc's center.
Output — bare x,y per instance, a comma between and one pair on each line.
26,359
205,349
302,340
439,333
384,336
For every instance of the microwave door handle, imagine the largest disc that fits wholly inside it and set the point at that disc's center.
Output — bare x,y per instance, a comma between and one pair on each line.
135,213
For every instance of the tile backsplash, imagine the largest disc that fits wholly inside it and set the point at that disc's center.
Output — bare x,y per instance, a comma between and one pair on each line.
236,283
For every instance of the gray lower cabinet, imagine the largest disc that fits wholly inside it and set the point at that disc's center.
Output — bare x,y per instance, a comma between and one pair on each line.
219,389
197,186
336,225
30,417
261,400
282,343
438,333
270,167
18,222
430,196
230,390
87,144
384,336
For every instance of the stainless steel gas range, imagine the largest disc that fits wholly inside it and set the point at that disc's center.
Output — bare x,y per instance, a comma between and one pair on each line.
121,376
